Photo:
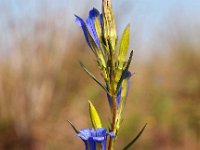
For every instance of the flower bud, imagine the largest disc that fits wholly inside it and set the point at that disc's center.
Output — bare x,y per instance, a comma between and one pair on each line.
109,27
94,116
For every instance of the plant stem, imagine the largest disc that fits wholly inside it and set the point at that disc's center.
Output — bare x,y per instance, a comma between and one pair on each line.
113,96
111,144
114,113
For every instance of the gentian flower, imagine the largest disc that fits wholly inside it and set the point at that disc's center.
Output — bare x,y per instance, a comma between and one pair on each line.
92,28
92,137
93,31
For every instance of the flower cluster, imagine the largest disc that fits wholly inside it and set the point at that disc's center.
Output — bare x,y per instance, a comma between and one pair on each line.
100,33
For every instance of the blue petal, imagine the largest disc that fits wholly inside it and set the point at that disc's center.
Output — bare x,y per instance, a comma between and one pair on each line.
112,135
86,145
84,134
109,100
91,26
92,144
128,87
100,132
117,99
101,19
82,24
119,96
101,137
98,139
93,13
93,132
103,144
128,75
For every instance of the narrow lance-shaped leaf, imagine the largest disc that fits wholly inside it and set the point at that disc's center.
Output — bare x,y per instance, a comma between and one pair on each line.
125,70
102,59
123,47
94,116
74,128
93,77
135,139
122,53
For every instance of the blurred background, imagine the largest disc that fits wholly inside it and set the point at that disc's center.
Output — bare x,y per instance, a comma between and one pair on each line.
42,85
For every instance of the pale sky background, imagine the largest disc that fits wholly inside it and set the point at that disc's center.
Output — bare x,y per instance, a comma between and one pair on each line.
149,19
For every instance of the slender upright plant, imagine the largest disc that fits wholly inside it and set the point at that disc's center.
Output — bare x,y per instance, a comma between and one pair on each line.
100,33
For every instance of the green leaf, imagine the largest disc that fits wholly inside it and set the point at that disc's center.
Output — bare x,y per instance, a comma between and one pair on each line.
122,54
94,116
123,46
93,77
135,139
74,128
125,70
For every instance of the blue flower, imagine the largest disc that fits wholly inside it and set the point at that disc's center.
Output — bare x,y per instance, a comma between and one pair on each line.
118,99
89,29
92,137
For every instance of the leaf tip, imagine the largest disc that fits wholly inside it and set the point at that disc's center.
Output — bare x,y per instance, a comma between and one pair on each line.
73,127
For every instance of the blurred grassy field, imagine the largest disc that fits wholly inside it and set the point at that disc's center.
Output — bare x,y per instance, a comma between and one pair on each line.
42,86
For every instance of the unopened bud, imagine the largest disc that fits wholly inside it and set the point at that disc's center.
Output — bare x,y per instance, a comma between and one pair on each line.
109,27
